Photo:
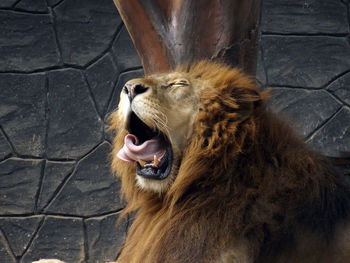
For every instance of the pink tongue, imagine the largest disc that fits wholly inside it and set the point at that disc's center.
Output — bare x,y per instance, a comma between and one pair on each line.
131,151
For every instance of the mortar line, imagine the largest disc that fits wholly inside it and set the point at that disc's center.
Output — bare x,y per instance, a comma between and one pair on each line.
47,116
40,187
91,94
54,28
339,100
22,11
67,178
309,137
335,78
8,244
86,242
108,48
8,141
15,3
40,225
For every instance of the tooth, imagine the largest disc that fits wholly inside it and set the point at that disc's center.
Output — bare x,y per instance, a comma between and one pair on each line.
155,161
142,163
148,165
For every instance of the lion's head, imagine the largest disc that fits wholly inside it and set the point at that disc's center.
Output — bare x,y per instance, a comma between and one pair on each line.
173,123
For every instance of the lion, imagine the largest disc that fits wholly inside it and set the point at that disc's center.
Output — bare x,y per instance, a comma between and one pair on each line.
211,175
214,176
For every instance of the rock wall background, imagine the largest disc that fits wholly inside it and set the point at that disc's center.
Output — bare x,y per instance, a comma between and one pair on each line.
305,59
62,65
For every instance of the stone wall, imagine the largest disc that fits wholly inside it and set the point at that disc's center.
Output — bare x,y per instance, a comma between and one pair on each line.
305,59
62,65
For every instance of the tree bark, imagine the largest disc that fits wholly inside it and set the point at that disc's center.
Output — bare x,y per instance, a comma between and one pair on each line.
167,33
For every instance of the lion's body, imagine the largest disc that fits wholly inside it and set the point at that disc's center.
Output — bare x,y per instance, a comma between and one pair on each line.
246,188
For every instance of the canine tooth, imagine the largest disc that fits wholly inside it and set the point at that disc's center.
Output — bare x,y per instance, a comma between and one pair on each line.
142,163
155,161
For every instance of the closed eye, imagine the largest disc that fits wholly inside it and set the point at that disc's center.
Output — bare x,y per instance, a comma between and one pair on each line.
179,83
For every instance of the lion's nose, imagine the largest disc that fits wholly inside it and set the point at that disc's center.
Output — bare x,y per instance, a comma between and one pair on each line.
132,89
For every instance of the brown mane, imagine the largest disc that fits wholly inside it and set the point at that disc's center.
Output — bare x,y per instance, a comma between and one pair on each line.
245,179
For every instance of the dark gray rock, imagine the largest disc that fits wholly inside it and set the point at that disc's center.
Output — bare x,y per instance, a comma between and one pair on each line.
304,16
33,6
333,139
19,231
5,149
60,238
74,125
341,88
123,78
125,52
19,180
7,3
22,111
6,255
53,2
92,189
85,29
109,135
27,42
304,61
102,76
260,69
54,174
344,169
305,109
105,238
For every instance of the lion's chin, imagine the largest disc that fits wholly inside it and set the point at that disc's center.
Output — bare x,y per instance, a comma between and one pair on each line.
161,186
156,186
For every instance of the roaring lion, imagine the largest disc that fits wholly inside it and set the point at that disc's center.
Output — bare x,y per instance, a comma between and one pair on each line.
213,176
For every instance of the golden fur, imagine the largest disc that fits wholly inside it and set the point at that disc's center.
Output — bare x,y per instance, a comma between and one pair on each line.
246,189
170,106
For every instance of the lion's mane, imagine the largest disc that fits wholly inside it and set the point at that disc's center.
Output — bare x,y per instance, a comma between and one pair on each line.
244,177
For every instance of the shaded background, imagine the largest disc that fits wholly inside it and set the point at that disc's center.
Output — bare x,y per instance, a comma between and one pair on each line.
62,65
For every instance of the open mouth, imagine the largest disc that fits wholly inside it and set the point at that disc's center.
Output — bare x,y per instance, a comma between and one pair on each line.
149,148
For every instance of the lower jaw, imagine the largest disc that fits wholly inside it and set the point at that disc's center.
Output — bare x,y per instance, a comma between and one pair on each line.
159,175
161,185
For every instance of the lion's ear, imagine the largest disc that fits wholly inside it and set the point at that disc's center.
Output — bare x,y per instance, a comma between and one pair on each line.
248,100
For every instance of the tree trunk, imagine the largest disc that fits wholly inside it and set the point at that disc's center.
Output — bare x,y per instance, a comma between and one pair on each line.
167,33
